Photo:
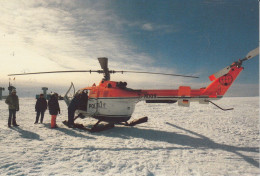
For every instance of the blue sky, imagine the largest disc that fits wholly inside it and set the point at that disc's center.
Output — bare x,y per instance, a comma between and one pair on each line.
193,35
183,37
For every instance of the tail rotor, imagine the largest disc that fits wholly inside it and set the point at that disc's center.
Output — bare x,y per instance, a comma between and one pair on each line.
238,63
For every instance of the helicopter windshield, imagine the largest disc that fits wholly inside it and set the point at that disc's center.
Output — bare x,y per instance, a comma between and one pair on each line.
121,85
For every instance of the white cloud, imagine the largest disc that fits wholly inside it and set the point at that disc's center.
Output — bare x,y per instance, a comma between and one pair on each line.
162,28
58,35
148,27
41,36
72,35
65,33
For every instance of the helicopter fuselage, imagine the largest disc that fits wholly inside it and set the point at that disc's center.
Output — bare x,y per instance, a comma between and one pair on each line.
112,101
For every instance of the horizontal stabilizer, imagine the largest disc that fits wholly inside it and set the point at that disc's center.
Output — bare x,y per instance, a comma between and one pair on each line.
203,101
185,103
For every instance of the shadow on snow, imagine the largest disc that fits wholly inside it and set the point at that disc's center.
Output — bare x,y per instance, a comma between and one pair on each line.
68,131
197,142
27,134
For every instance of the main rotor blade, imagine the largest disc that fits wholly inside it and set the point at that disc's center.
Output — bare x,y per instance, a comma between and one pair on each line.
252,53
103,62
98,71
71,71
158,74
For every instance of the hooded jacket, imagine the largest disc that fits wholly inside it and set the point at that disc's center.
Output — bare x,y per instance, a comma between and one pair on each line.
13,102
53,105
41,104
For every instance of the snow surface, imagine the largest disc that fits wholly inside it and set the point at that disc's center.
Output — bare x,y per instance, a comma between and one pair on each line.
200,140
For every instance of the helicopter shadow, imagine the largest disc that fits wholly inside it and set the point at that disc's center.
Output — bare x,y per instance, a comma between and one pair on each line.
71,132
189,142
27,134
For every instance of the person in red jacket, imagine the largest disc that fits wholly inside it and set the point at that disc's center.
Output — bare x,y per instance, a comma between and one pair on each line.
40,108
54,109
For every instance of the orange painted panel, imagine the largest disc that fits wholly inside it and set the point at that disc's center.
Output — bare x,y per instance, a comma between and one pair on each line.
184,91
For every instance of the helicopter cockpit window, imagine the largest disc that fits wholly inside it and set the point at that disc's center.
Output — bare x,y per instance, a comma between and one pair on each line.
121,84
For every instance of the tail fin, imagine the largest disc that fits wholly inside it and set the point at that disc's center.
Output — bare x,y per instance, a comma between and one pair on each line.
221,84
224,78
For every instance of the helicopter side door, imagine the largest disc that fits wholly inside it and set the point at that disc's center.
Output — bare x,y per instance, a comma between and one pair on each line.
68,98
92,102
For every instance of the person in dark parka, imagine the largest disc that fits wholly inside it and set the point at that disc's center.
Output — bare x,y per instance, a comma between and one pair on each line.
73,106
54,109
83,102
13,106
40,108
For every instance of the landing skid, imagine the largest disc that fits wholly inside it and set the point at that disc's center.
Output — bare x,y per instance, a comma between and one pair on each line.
97,127
135,122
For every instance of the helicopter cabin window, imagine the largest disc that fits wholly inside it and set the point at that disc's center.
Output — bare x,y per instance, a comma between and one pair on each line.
121,85
109,85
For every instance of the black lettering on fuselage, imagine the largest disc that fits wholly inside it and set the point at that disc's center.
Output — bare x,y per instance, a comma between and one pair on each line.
149,95
97,105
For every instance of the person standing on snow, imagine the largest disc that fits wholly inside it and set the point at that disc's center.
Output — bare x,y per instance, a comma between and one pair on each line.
83,102
54,109
13,105
40,108
73,106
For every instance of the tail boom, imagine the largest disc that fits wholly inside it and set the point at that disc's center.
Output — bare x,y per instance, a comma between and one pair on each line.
184,95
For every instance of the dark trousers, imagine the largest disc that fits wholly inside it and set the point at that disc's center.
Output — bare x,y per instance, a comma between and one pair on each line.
38,115
71,114
12,116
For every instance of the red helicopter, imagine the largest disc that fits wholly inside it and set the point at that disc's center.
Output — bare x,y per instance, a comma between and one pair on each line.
114,103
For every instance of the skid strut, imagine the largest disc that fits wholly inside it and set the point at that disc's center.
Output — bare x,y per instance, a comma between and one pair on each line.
219,106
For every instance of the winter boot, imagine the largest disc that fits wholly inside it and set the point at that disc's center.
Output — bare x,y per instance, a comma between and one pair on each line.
15,124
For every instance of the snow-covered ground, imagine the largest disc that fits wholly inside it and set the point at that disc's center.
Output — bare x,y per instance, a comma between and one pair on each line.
200,140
